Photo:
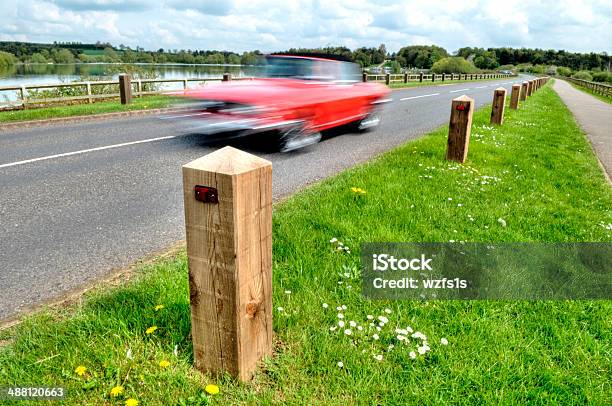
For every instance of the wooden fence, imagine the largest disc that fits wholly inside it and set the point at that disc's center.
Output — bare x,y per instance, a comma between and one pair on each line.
600,88
140,87
390,78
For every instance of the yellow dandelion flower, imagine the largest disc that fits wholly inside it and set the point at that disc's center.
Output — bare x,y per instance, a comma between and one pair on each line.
131,402
116,391
151,330
159,307
164,363
212,389
355,189
80,370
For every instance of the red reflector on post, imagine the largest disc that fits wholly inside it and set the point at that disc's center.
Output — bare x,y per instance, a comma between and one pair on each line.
461,107
206,194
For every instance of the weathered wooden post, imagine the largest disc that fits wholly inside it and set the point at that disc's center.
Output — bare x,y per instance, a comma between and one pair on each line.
24,96
524,88
462,109
364,76
139,88
530,88
499,105
420,76
184,84
125,88
227,77
515,96
387,78
405,78
88,90
228,221
443,76
433,77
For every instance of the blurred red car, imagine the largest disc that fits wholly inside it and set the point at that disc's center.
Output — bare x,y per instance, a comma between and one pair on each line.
299,97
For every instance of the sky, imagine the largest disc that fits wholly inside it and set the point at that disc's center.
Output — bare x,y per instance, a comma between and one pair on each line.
273,25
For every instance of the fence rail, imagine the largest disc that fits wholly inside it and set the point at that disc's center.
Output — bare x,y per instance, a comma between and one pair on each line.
601,88
89,91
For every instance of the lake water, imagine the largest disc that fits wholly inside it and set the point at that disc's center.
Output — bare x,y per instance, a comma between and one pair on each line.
39,74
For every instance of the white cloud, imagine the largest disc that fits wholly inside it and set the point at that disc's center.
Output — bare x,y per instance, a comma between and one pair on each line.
269,25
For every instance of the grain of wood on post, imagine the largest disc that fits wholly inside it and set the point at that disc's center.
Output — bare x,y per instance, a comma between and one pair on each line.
515,96
125,88
229,249
498,107
524,88
460,126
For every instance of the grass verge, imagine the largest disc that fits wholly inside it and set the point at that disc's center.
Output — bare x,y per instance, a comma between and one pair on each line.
141,103
537,172
601,97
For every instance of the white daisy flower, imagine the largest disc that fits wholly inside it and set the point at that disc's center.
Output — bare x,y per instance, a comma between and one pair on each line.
348,332
388,311
340,364
375,336
412,354
378,357
370,317
443,341
340,315
352,323
325,305
341,323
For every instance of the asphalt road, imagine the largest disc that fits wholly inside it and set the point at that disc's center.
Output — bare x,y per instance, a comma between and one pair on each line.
77,213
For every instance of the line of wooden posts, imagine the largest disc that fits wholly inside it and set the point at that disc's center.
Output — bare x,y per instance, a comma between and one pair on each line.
228,221
462,109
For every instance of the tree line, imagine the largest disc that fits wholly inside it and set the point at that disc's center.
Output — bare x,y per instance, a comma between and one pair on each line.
410,57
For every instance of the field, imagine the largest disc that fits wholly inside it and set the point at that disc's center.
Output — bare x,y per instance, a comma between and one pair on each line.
537,173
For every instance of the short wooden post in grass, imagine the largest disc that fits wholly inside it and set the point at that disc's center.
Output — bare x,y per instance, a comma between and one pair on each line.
499,105
433,77
364,77
530,88
524,88
125,88
227,77
421,77
88,89
228,221
459,128
387,78
515,96
443,77
405,78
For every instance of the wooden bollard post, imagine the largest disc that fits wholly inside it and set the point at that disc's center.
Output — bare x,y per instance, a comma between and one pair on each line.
443,77
499,105
524,88
515,96
125,88
228,221
530,88
227,77
88,89
433,77
405,78
364,77
459,128
387,78
420,76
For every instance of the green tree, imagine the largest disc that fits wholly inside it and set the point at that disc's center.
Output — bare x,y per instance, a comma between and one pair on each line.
37,57
563,71
583,75
111,55
233,59
62,55
453,64
7,59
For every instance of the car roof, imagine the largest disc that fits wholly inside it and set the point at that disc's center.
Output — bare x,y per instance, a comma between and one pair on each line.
316,57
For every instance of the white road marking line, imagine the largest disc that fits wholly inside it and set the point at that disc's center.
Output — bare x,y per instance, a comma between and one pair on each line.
183,115
418,97
480,87
84,151
460,90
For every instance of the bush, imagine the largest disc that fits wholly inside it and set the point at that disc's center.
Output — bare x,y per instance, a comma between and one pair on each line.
583,75
602,77
453,64
563,71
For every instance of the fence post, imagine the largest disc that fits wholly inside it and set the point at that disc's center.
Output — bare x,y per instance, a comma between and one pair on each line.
514,96
420,76
405,78
364,77
125,88
24,99
524,88
530,88
184,84
433,77
88,90
443,76
499,104
228,221
387,78
139,87
459,128
227,77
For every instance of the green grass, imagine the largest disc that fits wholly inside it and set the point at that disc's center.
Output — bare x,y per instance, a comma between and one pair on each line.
148,102
400,85
607,99
513,352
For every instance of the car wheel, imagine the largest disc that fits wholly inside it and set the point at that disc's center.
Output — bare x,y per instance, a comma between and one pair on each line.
370,121
296,137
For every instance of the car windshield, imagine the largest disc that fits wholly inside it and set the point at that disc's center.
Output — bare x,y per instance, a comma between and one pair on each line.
311,69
